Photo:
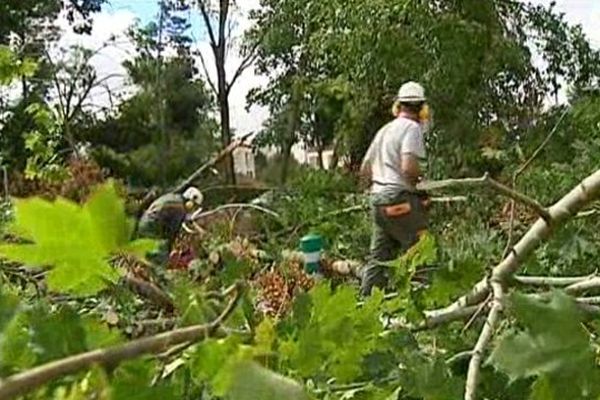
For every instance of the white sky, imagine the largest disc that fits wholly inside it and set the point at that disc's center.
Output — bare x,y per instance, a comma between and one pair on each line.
116,20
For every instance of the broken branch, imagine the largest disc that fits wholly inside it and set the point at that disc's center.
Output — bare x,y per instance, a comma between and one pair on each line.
213,161
486,180
551,281
24,382
564,209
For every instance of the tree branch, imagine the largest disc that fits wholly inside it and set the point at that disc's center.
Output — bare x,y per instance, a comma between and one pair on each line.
584,286
213,161
456,314
484,338
149,291
486,180
244,65
24,382
551,281
206,17
564,209
205,68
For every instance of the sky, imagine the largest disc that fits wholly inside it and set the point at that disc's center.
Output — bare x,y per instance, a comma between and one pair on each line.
118,15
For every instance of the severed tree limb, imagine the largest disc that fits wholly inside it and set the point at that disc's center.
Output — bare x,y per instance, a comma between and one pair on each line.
24,382
486,180
478,293
564,209
214,160
583,286
444,318
587,191
149,291
484,338
551,280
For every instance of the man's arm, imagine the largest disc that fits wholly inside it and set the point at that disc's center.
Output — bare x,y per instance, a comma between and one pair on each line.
413,151
411,169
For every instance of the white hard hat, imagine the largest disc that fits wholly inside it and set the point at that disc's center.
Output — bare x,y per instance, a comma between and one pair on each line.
411,92
194,195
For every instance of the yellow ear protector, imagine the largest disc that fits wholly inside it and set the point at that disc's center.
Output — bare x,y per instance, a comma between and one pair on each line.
424,113
189,205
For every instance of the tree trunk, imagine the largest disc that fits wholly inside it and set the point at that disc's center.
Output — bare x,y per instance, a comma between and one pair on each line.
223,88
335,157
292,127
225,118
286,157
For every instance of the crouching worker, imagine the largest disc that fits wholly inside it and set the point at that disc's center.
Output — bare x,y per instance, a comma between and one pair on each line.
392,168
162,220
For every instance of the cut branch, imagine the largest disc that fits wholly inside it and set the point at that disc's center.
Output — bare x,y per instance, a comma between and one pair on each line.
432,322
486,180
551,281
110,357
487,332
566,208
149,291
584,286
212,162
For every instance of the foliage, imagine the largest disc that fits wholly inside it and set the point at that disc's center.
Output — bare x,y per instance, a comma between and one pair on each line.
165,130
11,67
553,347
475,60
74,241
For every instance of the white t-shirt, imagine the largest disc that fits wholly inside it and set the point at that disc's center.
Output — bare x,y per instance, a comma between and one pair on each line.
399,136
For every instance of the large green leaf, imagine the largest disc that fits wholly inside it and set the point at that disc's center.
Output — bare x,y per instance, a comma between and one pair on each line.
250,381
76,242
553,347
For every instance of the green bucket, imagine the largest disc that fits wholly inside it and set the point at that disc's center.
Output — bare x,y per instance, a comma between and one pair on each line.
311,246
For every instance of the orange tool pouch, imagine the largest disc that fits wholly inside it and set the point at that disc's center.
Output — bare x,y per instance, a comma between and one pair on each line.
397,210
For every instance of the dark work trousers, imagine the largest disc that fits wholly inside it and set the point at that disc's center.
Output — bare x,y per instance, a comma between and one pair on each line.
398,220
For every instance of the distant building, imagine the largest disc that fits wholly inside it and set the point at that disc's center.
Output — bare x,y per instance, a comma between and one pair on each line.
311,158
243,159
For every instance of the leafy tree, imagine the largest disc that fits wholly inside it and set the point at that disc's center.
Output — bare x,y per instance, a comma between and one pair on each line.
30,28
473,58
167,119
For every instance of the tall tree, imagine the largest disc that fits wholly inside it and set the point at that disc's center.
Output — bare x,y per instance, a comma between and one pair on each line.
164,130
29,27
473,56
221,40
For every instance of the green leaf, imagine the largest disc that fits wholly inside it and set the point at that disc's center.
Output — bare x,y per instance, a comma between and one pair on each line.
553,347
109,226
132,381
250,381
265,336
99,335
76,242
553,339
56,335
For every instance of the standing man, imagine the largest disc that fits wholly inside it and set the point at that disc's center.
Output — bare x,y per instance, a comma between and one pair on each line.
392,167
